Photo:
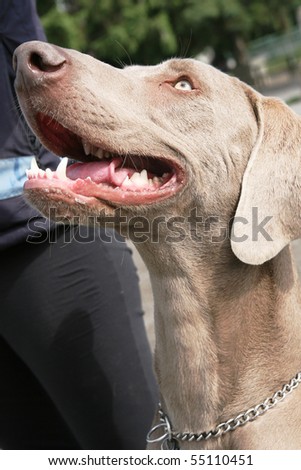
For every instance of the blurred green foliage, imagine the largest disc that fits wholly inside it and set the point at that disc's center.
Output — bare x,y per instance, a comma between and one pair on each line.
148,31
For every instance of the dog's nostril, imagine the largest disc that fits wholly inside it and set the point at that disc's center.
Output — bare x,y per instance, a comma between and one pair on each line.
44,63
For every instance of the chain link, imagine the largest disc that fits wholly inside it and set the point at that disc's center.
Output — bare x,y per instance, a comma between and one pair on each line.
170,438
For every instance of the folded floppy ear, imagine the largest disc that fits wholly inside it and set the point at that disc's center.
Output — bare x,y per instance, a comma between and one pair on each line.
268,215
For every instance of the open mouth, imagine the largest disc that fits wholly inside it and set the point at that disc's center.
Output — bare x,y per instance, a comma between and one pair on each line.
101,173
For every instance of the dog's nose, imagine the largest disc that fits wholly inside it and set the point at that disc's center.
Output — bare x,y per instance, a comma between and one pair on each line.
38,60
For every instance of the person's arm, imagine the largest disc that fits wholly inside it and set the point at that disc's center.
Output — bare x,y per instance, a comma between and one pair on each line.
19,22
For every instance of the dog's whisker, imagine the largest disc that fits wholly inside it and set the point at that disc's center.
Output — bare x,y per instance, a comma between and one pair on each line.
126,52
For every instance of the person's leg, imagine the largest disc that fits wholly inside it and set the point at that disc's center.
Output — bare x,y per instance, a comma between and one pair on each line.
29,419
68,315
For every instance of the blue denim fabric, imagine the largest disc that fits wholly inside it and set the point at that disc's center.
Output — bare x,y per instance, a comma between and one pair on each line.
13,176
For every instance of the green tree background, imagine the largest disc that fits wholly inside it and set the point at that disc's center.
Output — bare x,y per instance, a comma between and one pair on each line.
149,31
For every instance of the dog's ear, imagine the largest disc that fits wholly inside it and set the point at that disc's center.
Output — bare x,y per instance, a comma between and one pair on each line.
268,215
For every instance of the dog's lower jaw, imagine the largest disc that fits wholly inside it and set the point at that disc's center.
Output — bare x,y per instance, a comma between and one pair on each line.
216,351
59,207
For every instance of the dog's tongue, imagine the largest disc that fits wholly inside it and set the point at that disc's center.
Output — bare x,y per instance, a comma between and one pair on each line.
100,172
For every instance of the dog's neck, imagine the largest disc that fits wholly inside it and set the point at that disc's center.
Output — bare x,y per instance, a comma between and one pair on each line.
217,321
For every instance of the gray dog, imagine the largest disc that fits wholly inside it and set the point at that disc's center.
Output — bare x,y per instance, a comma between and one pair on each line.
204,174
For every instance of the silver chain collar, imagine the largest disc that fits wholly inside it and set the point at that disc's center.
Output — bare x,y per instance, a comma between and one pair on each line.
170,439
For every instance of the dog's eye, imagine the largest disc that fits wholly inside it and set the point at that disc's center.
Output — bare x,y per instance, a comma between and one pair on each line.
183,85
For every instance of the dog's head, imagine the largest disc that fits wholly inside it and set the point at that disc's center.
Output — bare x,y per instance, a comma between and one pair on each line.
162,140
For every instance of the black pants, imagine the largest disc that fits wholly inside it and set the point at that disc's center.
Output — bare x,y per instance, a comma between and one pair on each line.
75,365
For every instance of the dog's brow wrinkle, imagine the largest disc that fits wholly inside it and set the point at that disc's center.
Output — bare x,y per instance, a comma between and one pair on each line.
228,162
179,65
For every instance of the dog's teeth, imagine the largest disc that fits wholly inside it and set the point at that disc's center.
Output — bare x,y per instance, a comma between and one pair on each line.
158,179
99,153
34,166
143,176
140,179
126,182
92,150
61,169
87,147
41,173
49,173
150,182
137,179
